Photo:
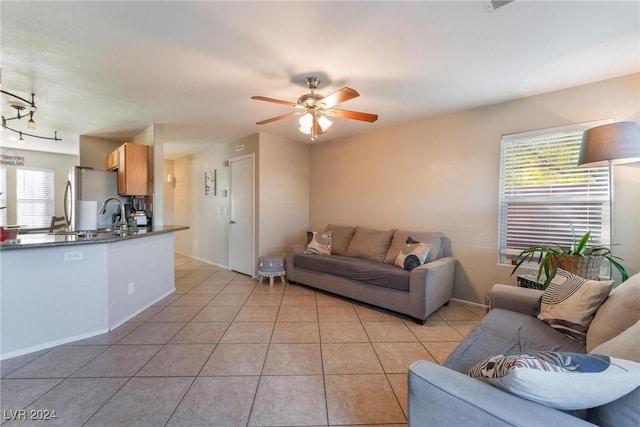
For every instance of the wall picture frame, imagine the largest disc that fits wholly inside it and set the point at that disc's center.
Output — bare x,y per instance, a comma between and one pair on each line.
210,182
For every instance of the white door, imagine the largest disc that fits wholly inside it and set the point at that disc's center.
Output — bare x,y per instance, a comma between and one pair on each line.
241,218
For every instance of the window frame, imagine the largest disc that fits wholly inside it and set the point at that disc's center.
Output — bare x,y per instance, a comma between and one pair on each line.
503,251
49,202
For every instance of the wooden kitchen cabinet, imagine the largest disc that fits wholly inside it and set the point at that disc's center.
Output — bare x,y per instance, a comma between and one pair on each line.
112,161
132,163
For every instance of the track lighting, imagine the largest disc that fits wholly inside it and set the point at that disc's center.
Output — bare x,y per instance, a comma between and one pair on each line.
31,124
21,113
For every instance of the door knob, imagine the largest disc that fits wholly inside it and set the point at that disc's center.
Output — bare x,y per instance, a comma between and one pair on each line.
232,222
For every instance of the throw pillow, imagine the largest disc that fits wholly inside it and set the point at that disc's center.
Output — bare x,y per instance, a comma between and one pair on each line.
399,239
412,255
341,237
564,381
371,244
624,346
569,303
619,311
318,243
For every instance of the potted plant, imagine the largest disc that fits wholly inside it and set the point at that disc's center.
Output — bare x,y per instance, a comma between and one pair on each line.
580,259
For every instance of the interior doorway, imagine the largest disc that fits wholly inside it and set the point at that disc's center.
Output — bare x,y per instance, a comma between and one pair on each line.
242,215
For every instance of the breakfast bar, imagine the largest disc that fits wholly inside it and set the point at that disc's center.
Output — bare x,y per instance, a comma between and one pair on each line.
58,288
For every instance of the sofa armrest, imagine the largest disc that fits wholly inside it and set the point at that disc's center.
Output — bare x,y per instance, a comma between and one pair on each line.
438,396
290,252
431,286
521,300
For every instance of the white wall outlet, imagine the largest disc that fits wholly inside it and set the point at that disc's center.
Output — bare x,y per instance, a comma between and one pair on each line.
196,244
132,287
73,256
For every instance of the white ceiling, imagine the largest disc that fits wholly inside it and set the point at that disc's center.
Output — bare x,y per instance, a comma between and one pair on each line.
110,69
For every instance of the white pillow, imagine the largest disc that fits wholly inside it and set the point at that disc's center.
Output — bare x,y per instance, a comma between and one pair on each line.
563,381
569,303
413,255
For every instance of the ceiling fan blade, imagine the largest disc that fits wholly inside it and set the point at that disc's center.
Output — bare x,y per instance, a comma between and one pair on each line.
344,94
277,101
273,119
353,115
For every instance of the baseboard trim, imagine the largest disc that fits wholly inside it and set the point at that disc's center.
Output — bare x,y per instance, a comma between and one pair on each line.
472,304
215,264
50,344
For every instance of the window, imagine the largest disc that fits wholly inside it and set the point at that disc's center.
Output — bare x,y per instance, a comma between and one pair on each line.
543,192
35,197
3,196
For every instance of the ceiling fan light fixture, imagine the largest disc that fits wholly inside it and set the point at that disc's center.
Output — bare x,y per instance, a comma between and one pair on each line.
324,123
314,121
306,131
306,122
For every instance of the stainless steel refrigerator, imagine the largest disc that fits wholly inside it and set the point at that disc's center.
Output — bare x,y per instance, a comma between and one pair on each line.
89,184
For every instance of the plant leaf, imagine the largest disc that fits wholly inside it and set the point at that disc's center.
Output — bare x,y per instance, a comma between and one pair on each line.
583,243
618,267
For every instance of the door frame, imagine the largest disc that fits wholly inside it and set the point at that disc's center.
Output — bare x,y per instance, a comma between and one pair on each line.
253,210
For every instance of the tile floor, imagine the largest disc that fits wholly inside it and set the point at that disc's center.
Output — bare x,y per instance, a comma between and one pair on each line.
224,350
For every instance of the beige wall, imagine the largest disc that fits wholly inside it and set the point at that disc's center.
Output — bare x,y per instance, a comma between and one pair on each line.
281,190
182,203
168,190
442,174
93,152
284,193
208,237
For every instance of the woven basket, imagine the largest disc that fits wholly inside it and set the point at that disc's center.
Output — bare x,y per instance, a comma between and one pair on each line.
586,267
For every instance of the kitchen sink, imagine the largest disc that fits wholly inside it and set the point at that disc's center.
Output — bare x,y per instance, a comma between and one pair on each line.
90,234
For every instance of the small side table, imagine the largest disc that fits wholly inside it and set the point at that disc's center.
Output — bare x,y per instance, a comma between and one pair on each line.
272,266
531,281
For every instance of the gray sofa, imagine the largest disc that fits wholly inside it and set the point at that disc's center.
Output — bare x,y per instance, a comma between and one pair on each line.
361,267
445,396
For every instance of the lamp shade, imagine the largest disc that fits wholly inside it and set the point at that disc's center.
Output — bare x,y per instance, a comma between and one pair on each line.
614,144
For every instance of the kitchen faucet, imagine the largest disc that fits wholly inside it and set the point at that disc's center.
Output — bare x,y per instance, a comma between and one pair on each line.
122,225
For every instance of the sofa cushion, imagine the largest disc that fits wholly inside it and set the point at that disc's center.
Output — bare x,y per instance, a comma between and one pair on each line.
318,243
341,238
569,303
507,332
619,311
623,412
365,271
623,346
412,255
579,381
370,244
400,238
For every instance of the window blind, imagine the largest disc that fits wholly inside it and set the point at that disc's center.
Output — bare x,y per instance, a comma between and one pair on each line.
35,197
543,193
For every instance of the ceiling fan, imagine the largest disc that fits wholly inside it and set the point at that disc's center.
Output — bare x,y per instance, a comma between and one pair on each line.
315,109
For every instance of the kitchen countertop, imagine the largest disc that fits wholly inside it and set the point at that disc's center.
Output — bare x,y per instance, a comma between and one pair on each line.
45,240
